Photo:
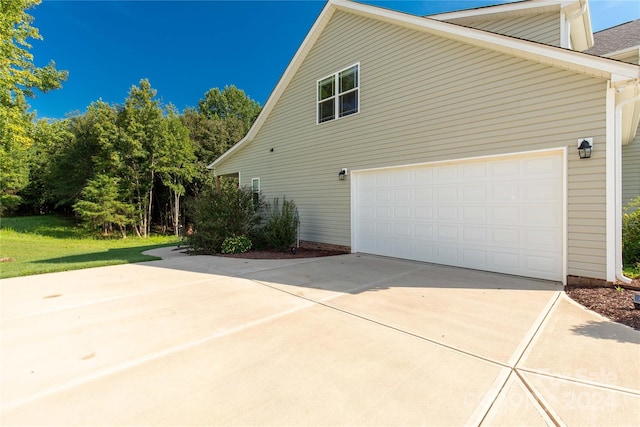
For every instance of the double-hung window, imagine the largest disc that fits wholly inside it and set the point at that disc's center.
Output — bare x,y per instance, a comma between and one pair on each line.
255,190
339,94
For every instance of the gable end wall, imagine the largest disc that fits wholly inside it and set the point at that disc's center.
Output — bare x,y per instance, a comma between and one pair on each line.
425,99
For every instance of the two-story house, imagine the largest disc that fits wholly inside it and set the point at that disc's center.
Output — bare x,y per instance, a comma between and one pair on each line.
453,138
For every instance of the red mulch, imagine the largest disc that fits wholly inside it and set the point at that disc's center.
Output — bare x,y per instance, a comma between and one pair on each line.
610,302
300,253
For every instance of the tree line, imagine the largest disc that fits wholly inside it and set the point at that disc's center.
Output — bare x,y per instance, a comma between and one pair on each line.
129,167
125,167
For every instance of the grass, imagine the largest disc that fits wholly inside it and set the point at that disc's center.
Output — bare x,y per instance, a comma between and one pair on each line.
51,243
632,271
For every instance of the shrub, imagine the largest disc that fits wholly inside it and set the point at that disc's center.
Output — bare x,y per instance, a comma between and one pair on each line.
220,212
281,229
631,233
236,245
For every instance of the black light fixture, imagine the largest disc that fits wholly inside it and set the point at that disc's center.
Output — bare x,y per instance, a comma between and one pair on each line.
584,149
342,174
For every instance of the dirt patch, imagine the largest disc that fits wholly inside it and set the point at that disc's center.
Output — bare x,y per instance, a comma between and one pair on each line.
613,303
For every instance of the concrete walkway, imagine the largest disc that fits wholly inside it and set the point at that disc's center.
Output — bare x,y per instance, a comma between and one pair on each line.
345,340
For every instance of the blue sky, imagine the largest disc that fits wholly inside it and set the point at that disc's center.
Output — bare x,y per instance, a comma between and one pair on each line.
185,48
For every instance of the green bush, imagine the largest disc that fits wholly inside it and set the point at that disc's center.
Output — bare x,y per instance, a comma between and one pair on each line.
220,212
281,229
631,233
236,245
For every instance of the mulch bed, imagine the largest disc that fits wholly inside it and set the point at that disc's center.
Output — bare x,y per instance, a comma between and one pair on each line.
300,253
609,302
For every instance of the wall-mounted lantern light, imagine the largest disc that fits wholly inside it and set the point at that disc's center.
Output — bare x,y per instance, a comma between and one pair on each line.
342,174
585,145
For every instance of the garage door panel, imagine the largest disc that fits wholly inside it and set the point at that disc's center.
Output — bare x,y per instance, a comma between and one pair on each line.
402,212
424,213
503,214
447,194
540,215
474,193
474,234
445,253
403,230
475,258
446,173
402,178
504,168
474,170
423,195
423,232
447,213
505,192
540,263
403,196
505,237
474,214
541,239
446,232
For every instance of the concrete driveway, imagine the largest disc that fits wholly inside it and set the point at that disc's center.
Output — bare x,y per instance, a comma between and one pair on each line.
345,340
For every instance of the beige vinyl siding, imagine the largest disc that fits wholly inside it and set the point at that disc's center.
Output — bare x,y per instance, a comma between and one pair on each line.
630,56
541,28
424,99
631,170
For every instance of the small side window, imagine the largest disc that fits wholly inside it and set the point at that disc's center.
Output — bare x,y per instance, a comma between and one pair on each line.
255,189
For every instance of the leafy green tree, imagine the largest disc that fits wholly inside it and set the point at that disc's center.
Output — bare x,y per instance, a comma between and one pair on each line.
210,138
230,102
176,163
91,147
143,133
222,118
100,205
19,77
50,139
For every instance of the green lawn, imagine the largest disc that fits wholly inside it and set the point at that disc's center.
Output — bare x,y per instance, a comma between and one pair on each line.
49,243
632,271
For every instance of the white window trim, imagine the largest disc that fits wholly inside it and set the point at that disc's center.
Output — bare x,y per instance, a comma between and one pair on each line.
336,95
253,190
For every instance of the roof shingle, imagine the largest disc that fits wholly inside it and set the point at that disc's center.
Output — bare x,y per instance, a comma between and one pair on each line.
614,39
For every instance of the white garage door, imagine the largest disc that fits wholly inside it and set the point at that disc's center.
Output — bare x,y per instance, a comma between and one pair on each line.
503,214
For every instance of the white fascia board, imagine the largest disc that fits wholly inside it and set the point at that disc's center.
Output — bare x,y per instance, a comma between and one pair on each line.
592,65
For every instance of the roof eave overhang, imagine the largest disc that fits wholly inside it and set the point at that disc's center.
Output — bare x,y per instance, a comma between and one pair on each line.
582,63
